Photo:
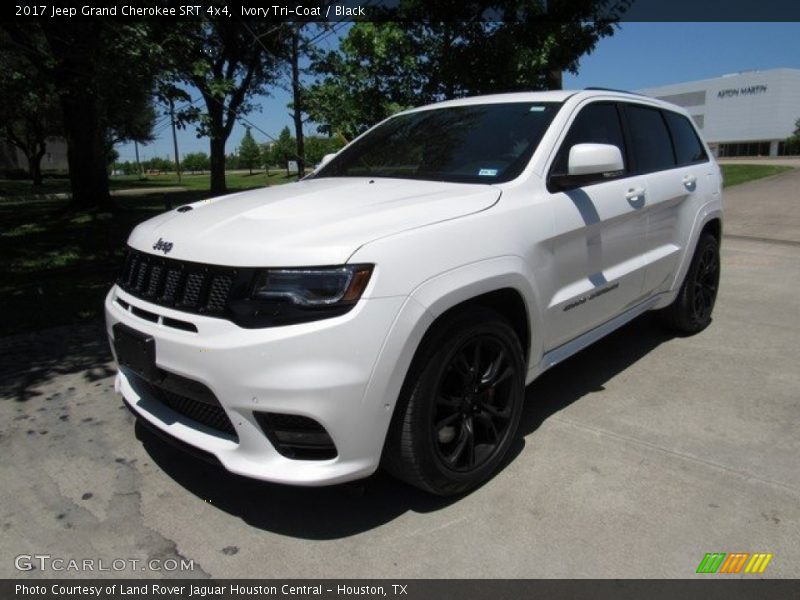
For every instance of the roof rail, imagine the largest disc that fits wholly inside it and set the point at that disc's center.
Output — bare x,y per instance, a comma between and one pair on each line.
605,89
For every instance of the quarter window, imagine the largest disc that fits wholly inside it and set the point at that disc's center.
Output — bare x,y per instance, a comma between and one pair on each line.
652,147
688,148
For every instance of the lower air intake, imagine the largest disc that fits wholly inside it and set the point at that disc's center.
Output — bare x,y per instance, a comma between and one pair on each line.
300,438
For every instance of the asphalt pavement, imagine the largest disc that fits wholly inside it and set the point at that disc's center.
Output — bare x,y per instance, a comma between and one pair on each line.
636,457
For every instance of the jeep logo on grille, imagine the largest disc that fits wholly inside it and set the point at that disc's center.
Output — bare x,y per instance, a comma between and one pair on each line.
165,247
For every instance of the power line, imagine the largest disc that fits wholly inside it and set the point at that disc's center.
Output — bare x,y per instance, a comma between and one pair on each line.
164,123
326,32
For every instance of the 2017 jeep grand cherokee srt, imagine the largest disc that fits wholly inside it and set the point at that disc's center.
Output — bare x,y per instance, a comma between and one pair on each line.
391,307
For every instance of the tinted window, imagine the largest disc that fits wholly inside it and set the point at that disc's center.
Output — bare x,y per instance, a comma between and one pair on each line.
652,147
688,148
484,143
595,124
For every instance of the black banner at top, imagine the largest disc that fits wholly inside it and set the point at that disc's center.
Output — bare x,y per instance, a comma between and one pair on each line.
405,10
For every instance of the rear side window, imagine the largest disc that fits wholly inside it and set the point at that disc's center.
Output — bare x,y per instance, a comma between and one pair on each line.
597,123
688,148
652,146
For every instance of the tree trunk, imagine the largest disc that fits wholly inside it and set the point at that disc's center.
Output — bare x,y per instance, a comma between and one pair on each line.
298,109
217,137
217,164
35,167
86,153
554,79
33,145
138,162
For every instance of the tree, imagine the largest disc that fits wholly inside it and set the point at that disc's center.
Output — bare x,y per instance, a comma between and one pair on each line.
82,61
159,165
300,46
249,152
126,168
381,67
316,147
32,116
369,78
131,119
112,156
791,145
282,150
196,162
232,161
229,62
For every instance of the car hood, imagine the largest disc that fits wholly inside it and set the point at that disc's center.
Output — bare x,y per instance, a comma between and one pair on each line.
311,222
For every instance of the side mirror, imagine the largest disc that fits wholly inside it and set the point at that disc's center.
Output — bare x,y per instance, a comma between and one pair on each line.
594,159
588,164
326,159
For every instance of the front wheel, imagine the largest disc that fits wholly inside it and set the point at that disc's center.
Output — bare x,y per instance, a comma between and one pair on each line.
460,406
691,310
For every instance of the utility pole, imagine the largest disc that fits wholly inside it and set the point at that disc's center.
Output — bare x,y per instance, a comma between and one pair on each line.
175,138
296,95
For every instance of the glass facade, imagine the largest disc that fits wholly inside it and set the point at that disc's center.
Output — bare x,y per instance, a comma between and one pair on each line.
788,148
743,149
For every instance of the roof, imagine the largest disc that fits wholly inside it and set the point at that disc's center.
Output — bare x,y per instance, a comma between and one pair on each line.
548,96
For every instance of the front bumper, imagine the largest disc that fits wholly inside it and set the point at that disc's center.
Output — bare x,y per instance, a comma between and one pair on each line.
343,372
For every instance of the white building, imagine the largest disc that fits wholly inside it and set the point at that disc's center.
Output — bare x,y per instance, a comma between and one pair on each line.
743,114
54,159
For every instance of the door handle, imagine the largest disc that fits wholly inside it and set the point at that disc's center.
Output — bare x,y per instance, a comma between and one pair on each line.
635,194
689,180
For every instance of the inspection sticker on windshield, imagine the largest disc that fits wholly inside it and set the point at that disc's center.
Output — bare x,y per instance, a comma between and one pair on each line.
537,109
487,172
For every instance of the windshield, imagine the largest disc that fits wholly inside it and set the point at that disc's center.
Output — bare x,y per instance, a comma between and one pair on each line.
486,143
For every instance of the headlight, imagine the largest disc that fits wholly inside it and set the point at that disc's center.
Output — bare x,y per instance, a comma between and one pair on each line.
317,287
298,295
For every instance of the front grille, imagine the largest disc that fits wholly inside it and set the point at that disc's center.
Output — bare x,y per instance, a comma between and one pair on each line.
187,286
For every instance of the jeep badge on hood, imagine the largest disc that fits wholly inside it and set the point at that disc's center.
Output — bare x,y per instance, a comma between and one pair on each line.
165,247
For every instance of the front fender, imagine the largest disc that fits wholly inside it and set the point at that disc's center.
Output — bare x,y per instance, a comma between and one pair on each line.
446,290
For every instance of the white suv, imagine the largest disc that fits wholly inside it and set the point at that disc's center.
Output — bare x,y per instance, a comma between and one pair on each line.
391,307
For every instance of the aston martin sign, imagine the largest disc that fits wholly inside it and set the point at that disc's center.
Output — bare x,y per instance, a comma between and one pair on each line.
750,90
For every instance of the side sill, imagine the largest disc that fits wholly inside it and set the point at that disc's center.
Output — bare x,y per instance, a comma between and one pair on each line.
563,352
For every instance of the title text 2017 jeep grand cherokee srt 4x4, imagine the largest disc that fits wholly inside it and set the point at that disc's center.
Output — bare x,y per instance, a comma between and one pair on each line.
390,308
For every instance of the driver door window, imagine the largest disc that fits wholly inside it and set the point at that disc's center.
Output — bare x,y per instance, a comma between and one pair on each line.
597,123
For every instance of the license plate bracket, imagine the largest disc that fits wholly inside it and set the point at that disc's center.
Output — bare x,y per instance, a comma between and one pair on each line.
136,351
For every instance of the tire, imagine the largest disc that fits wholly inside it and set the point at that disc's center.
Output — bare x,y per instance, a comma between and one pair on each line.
459,408
691,311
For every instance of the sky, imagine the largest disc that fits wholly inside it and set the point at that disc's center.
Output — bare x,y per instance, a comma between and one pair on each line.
638,55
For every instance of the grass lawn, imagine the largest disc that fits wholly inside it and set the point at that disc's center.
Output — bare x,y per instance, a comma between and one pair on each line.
57,266
236,181
736,174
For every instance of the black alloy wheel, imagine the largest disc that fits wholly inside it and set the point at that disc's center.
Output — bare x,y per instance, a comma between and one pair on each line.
691,311
460,406
706,281
473,405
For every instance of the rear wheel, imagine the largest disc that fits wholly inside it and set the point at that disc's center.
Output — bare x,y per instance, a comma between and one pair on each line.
691,310
460,406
